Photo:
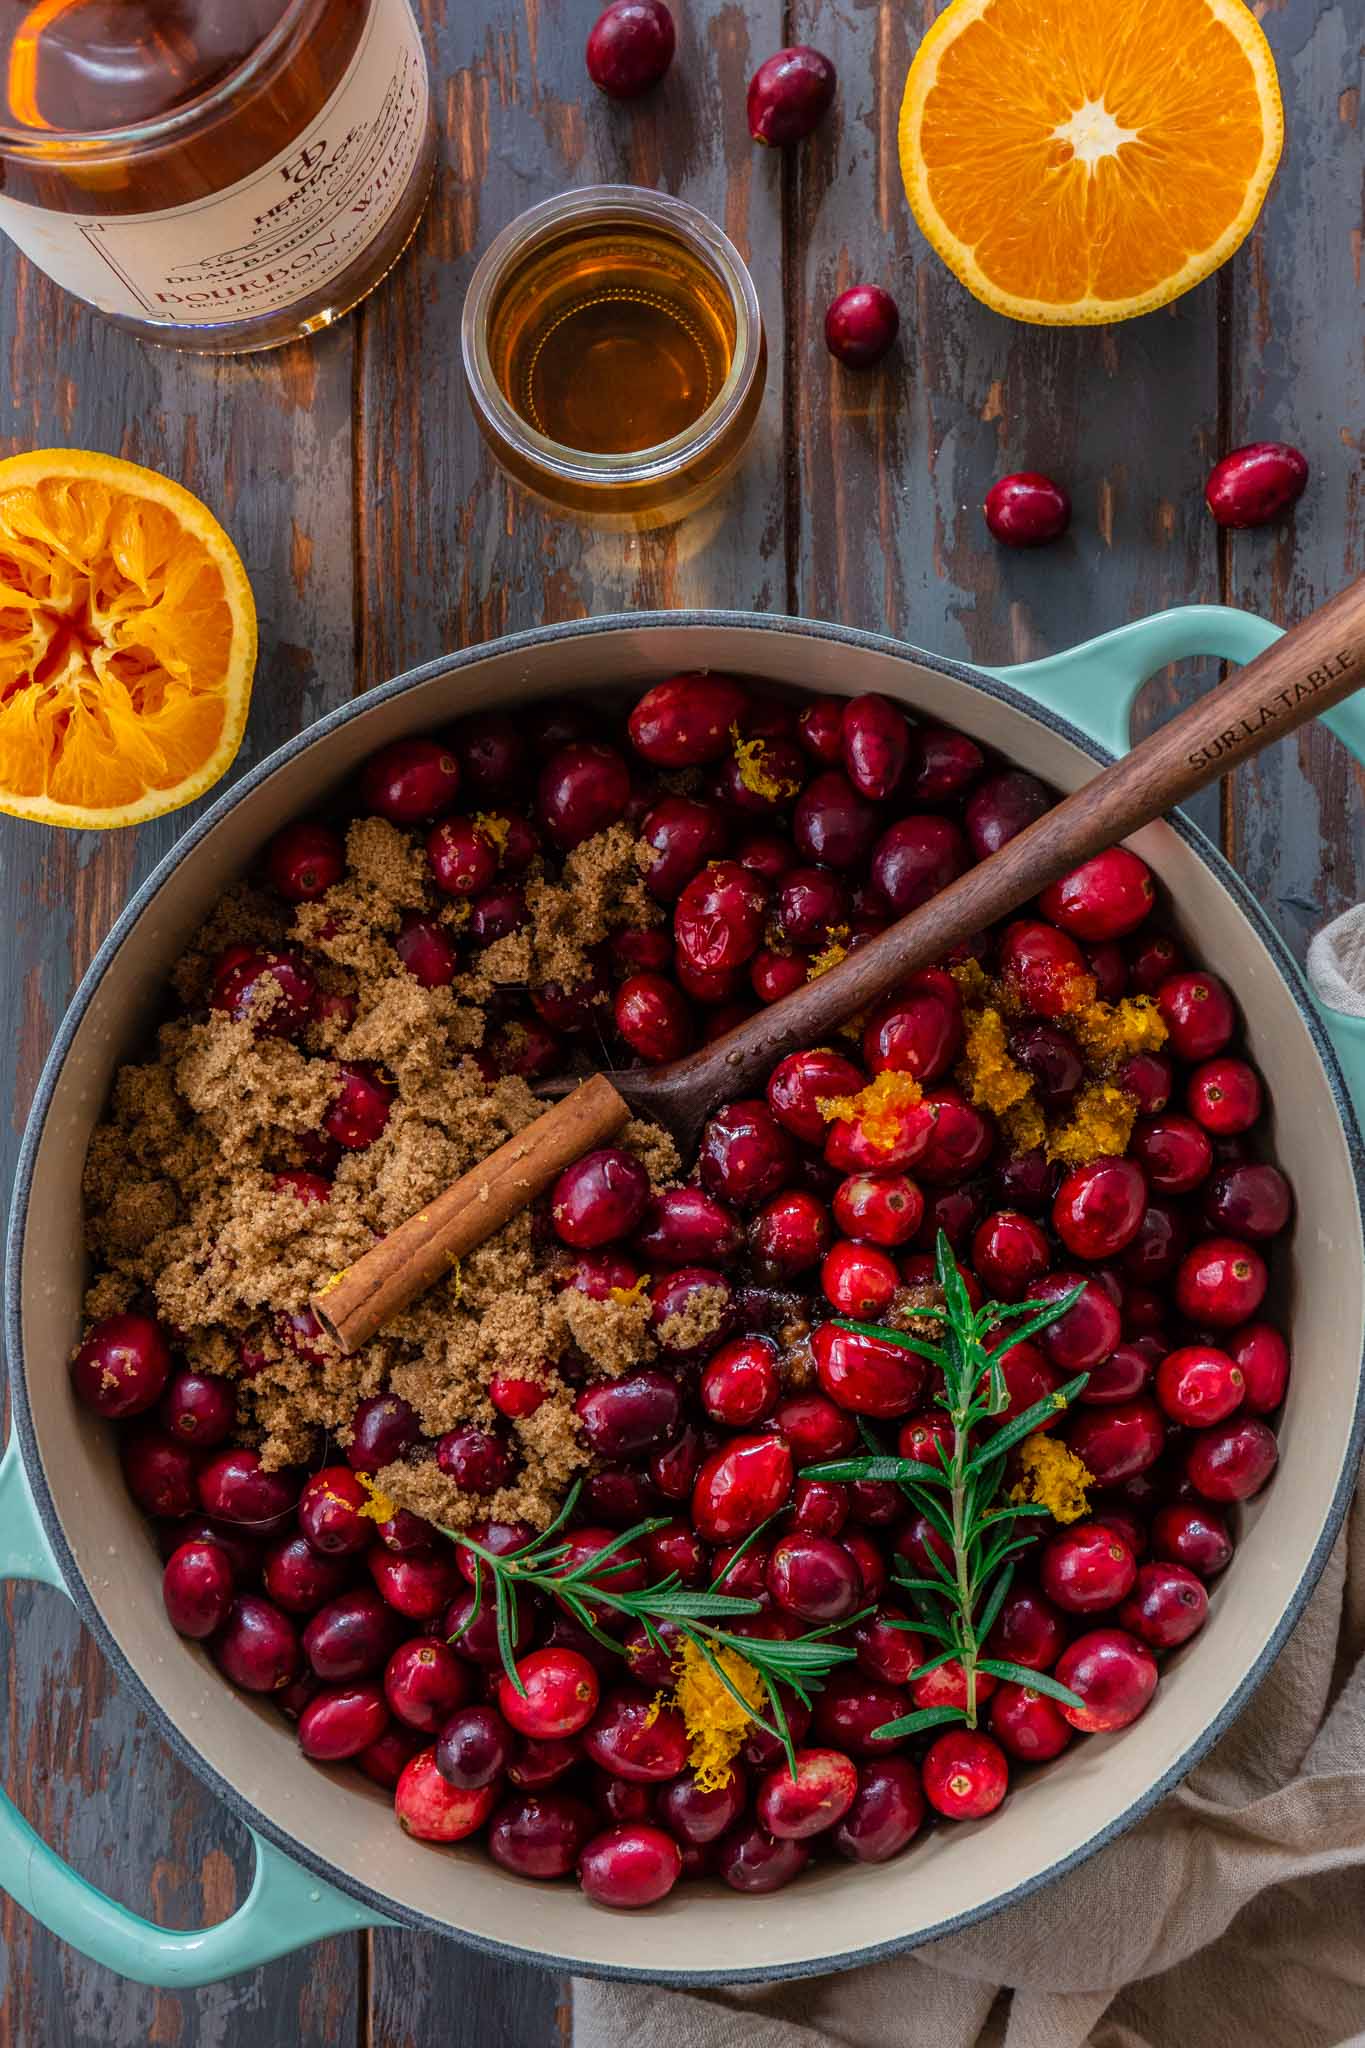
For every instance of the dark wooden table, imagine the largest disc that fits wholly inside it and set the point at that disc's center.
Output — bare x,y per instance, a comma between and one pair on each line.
377,534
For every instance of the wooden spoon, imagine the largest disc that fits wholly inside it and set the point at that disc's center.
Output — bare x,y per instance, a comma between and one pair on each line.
1313,667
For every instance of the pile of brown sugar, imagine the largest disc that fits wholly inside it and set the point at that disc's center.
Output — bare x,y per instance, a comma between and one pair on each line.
186,1203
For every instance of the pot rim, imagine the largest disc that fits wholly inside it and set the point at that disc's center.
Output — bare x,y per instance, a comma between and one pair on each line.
262,1823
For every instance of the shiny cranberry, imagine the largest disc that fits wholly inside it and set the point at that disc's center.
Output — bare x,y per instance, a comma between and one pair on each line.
1108,965
425,1682
360,1109
814,1578
197,1587
426,951
257,1647
919,1032
382,1428
463,857
1105,898
814,1427
820,729
304,860
760,780
1198,1385
1191,1533
746,1156
496,913
384,1761
1098,1207
1086,1568
122,1367
886,1814
852,1708
774,975
1222,1282
622,1417
741,1382
875,738
868,1375
860,326
619,1494
273,992
1002,806
474,1635
1172,1151
751,1860
1051,1059
341,1721
1261,1355
819,1507
1115,1443
474,1748
685,721
1168,1605
653,1018
696,1817
807,903
625,1568
477,1460
915,858
1154,1252
833,824
630,46
1121,1377
535,1764
1027,509
583,788
676,1547
1113,1673
1254,485
557,1696
633,1738
417,1584
1010,1254
1225,1096
798,1083
691,1310
789,1234
514,1396
235,1487
1026,1181
1088,1331
410,782
682,836
299,1578
858,1280
1043,968
789,95
330,1511
686,1226
1233,1460
1027,1725
405,1532
430,1808
1028,1630
599,1198
351,1637
1247,1199
885,1208
739,1486
718,919
965,1775
540,1834
816,1796
1198,1014
673,1468
632,1864
1152,960
491,750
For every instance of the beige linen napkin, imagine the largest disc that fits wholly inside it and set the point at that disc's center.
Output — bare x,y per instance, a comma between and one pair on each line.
1232,1917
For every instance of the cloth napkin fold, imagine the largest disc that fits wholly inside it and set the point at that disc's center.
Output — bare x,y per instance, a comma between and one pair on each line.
1232,1917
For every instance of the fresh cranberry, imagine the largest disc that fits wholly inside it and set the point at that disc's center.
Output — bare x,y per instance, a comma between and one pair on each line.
430,1808
682,836
633,1738
540,1834
814,1578
789,95
793,1805
1115,1443
122,1367
405,1532
535,1764
463,857
1028,1630
341,1721
630,46
599,1198
1010,1254
691,1310
197,1587
886,1815
1247,1199
273,992
1051,1059
622,1417
919,1032
425,1682
1107,963
1098,1208
633,1864
1191,1533
474,1634
746,1156
557,1695
685,1227
382,1428
774,975
820,729
583,788
820,1507
416,1584
384,1761
331,1511
965,1775
257,1647
1027,509
1088,1331
410,782
360,1109
1261,1355
1233,1460
741,1383
1173,1152
1002,806
1043,968
1027,1181
1121,1377
1198,1014
718,919
915,858
1222,1282
579,1007
685,721
696,1817
624,1569
739,1486
781,771
883,1207
851,1709
861,325
1105,898
751,1860
832,823
235,1487
1225,1096
1028,1725
1168,1605
858,1280
477,1460
491,750
814,1428
474,1749
1254,485
673,1468
1113,1673
351,1637
875,739
300,1579
869,1375
799,1083
496,913
304,860
1086,1568
789,1234
425,949
1155,1250
516,1397
1198,1385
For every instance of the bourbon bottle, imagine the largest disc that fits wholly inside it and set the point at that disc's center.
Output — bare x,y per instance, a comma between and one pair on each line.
219,175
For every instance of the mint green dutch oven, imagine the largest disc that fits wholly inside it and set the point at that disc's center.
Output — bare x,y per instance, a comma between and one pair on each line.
328,1854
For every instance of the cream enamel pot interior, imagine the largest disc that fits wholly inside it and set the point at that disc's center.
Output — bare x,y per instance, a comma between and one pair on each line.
329,1854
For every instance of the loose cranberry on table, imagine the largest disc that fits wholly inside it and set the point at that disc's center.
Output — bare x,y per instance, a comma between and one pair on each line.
1253,485
861,325
1027,509
630,47
789,95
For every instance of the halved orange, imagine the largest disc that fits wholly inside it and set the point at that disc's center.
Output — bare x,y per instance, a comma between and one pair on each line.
1076,161
127,641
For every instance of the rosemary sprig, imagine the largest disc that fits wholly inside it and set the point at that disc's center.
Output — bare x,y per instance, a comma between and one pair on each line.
956,1607
800,1665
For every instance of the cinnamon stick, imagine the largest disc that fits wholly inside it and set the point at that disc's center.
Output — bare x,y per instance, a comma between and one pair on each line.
354,1304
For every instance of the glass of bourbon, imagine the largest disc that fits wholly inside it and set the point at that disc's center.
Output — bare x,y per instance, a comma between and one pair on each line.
218,175
614,353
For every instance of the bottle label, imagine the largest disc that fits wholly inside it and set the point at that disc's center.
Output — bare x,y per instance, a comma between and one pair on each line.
276,237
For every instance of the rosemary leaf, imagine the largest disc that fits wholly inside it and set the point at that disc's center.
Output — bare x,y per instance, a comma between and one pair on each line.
1019,1426
1036,1681
923,1717
905,1342
995,1600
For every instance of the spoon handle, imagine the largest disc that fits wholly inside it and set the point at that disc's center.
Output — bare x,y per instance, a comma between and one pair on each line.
1312,668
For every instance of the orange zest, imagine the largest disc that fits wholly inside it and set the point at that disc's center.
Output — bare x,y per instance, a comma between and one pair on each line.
877,1110
1092,159
127,641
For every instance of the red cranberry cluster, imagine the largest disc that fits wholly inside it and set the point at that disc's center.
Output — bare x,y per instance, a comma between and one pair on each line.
778,832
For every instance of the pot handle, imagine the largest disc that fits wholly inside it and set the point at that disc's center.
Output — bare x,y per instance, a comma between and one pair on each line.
1094,685
285,1909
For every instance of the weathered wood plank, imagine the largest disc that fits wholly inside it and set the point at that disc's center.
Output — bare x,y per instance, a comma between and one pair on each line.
422,1992
267,443
894,463
1297,822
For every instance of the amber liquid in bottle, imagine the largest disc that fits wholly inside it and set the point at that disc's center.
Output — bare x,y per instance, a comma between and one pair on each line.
119,112
612,340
